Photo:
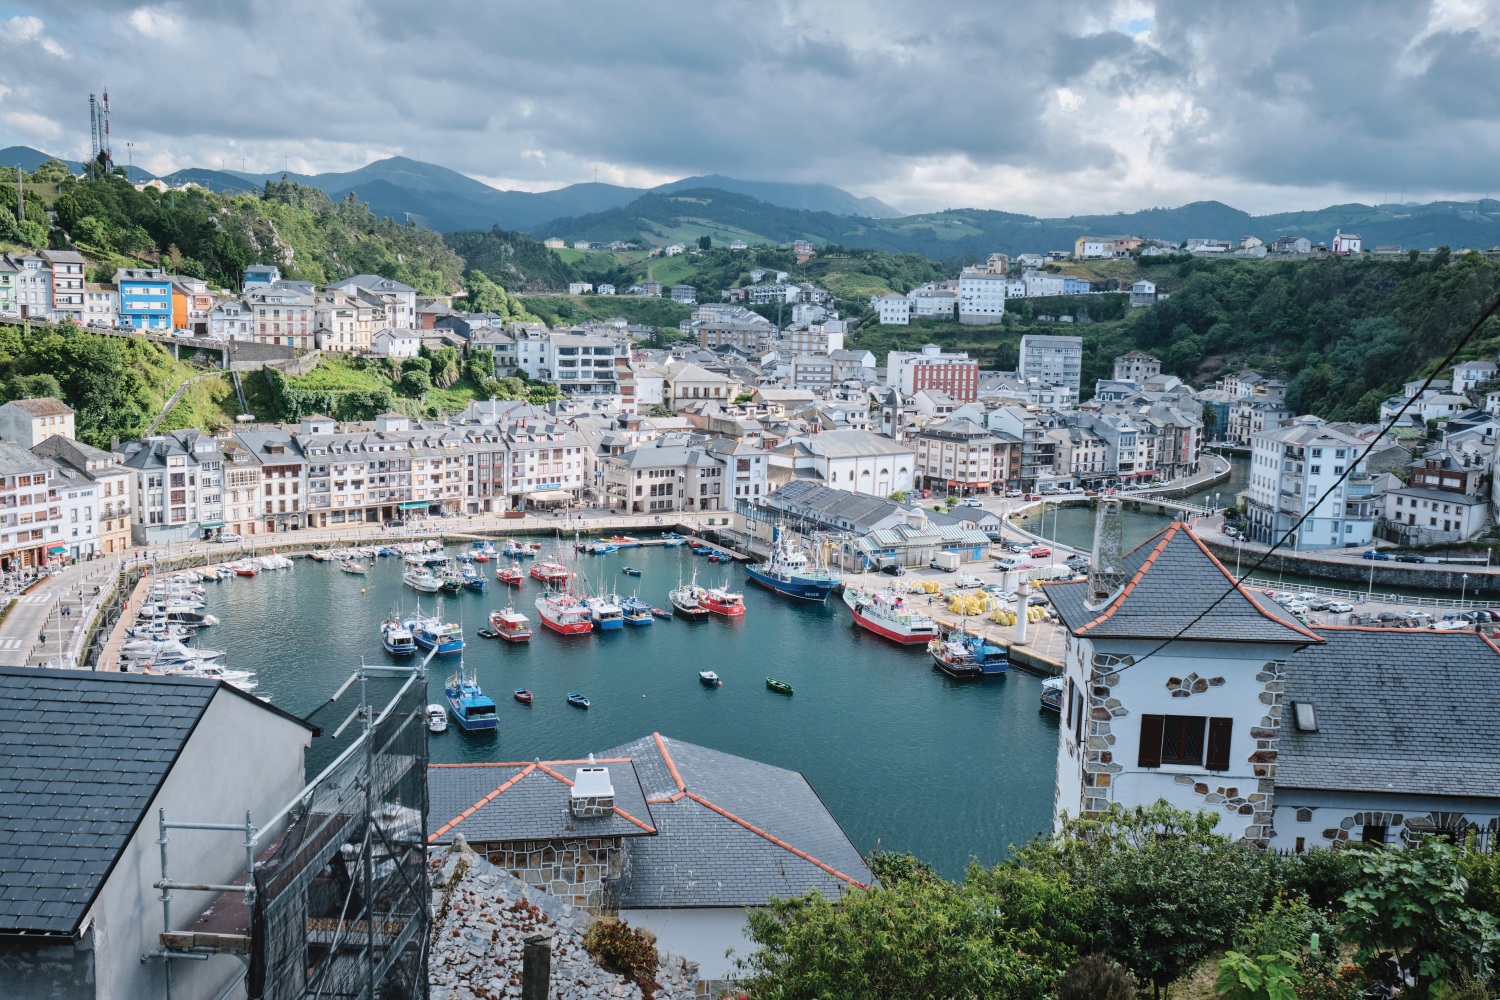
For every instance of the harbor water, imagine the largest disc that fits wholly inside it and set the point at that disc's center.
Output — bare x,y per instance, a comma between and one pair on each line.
905,758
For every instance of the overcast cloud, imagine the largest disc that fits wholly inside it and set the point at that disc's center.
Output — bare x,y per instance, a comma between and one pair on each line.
1051,109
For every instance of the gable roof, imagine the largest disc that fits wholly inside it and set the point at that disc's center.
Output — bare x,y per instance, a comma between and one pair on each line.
528,801
1398,710
42,406
730,832
1171,579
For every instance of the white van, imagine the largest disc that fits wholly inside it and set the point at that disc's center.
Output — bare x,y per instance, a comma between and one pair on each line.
1010,563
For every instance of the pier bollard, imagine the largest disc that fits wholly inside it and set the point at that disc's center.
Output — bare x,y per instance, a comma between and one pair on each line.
1021,608
536,967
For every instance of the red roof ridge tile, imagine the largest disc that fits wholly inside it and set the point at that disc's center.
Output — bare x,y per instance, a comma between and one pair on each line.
776,840
1114,605
661,745
1294,626
528,763
480,804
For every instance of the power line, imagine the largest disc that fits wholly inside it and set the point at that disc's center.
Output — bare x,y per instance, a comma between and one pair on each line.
1348,471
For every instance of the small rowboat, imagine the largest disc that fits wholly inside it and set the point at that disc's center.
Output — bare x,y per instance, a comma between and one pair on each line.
577,700
780,687
661,612
523,696
485,633
631,571
709,679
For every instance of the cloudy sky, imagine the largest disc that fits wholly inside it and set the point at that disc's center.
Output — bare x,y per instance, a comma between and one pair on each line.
1045,108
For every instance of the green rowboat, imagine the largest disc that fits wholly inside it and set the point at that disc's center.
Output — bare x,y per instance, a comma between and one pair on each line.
780,687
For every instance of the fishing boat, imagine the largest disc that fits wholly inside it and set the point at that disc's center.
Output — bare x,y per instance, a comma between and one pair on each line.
563,613
451,583
523,696
515,550
709,679
351,566
484,549
533,549
675,542
472,709
397,638
513,575
472,579
661,613
1052,695
421,580
606,613
577,700
320,555
671,536
685,601
790,572
465,557
631,571
437,719
510,625
636,611
888,614
551,573
721,601
964,655
444,637
779,687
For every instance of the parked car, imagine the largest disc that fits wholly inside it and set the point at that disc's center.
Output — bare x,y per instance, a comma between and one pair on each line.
1033,496
1319,604
1035,599
972,502
969,581
394,522
1418,618
1375,554
1340,607
1012,494
1388,616
1040,552
1410,557
1078,562
228,536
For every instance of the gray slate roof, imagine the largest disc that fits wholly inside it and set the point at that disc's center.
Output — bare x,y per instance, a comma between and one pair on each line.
1398,711
81,756
701,857
534,808
1170,580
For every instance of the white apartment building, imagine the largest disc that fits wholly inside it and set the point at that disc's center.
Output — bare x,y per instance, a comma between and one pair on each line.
933,302
1291,468
960,456
67,284
852,460
981,296
818,338
101,305
282,314
33,285
402,299
583,364
1058,360
343,322
1137,367
664,476
29,422
892,310
178,480
30,509
1039,283
231,319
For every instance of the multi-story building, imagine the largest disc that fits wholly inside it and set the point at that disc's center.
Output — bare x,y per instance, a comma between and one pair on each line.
30,509
817,338
177,485
261,274
891,310
981,296
746,468
101,305
145,298
664,476
28,422
751,335
685,295
401,299
265,482
912,371
231,319
1136,366
191,305
8,306
933,301
583,364
1248,417
283,314
33,284
67,284
103,524
852,460
1058,360
1445,501
959,456
1295,471
342,322
242,488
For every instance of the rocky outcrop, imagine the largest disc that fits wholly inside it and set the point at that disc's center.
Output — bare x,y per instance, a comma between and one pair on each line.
482,916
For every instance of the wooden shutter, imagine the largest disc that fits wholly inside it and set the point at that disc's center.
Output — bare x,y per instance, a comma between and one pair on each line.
1150,754
1219,731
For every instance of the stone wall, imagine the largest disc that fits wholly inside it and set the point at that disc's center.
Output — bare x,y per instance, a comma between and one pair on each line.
1357,574
1099,765
577,870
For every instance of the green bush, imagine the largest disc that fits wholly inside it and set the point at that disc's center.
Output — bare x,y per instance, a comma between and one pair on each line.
1096,977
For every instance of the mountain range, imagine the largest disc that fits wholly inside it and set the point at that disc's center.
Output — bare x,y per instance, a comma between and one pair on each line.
726,208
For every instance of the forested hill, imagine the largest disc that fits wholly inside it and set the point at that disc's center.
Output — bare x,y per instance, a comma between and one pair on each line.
216,236
514,260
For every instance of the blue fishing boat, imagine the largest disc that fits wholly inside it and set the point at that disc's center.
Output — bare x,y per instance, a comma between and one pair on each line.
789,571
636,611
472,709
472,578
429,633
577,700
963,655
605,613
701,550
397,638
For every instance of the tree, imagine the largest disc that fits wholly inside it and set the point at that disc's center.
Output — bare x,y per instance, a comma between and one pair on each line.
416,383
705,243
484,296
1410,918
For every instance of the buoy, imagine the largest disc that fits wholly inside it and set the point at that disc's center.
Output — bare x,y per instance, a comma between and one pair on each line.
361,590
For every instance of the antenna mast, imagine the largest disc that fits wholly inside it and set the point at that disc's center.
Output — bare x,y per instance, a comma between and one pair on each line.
93,132
104,142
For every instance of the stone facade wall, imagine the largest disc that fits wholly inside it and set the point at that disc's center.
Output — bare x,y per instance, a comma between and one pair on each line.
1099,765
578,870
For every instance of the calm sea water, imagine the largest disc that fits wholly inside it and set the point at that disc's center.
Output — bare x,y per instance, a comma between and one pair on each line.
905,758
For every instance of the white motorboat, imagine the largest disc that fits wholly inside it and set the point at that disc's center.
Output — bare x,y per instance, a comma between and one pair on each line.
350,565
421,580
437,719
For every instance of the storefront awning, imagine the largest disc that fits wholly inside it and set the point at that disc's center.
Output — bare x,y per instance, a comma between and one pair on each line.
549,496
210,524
58,549
412,504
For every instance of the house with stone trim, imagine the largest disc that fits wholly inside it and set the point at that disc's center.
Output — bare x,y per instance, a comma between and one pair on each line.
678,838
1180,685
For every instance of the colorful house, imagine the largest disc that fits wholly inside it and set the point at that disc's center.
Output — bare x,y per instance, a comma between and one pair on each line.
145,298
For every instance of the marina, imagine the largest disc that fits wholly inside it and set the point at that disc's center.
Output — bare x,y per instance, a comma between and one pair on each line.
864,709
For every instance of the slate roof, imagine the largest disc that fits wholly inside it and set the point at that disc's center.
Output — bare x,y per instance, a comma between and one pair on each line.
528,801
1171,578
42,406
81,756
1398,711
730,832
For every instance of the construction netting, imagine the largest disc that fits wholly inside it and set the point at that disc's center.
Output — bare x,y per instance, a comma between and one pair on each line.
341,900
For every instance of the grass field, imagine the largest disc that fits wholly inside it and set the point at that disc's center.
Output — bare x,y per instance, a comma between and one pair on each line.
557,310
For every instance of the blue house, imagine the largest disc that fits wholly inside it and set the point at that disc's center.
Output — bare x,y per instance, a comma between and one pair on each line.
145,298
1076,286
262,274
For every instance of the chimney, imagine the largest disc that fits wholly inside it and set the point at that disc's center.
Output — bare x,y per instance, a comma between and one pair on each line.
1107,567
593,795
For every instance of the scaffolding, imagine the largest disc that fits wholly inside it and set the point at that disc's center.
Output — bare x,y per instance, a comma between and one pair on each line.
334,899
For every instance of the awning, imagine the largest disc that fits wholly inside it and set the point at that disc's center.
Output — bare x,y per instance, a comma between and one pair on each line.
210,524
549,496
57,549
983,484
414,504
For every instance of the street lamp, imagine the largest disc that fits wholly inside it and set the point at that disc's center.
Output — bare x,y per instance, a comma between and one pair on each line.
1464,592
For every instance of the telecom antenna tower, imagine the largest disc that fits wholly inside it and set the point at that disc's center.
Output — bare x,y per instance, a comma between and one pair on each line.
99,132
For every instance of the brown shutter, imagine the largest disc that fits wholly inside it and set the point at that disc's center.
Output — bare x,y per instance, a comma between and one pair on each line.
1219,731
1150,755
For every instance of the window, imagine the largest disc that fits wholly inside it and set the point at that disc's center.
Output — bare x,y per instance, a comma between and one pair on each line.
1183,740
1373,834
1315,470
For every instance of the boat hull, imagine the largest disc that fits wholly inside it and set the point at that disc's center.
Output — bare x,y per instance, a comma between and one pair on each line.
609,624
443,646
801,588
398,650
518,636
888,632
479,724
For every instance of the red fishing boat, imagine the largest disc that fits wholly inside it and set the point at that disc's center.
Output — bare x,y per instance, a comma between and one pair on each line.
551,573
510,625
512,574
564,613
721,601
